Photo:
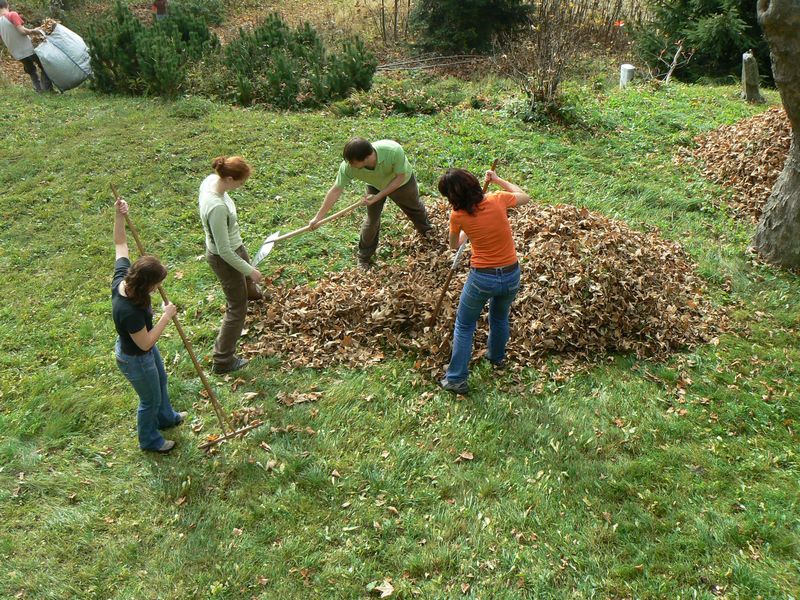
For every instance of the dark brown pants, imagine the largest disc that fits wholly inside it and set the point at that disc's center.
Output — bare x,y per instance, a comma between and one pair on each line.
235,285
407,198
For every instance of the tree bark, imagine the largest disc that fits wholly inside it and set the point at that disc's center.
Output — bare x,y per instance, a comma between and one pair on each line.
777,238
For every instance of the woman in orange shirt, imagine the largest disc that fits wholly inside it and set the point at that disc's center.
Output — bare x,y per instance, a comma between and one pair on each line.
494,273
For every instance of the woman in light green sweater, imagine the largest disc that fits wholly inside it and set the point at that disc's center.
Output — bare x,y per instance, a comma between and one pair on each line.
227,256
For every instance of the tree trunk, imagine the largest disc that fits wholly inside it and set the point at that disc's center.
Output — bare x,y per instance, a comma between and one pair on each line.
777,238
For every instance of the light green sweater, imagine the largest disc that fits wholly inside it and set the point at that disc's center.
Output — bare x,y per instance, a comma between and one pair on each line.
218,215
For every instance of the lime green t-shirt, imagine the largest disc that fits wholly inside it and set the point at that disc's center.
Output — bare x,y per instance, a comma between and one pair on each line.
391,162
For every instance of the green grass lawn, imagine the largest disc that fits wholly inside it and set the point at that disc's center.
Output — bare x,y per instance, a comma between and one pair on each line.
631,480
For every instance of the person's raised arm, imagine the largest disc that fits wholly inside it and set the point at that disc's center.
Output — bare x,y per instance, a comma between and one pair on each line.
331,198
521,196
120,236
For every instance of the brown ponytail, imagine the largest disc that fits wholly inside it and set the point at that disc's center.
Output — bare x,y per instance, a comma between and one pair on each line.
231,166
146,272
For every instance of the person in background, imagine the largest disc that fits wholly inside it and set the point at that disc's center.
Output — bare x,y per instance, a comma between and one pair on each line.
227,256
383,166
136,352
16,37
494,268
160,9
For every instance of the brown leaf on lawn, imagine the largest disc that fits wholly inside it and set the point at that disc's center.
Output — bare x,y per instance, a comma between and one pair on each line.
465,455
393,510
386,588
465,588
181,501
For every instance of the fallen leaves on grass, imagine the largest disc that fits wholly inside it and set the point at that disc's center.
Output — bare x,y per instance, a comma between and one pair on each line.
747,156
466,455
294,397
241,417
590,285
385,589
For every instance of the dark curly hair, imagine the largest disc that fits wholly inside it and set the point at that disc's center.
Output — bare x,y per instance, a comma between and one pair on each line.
143,275
462,189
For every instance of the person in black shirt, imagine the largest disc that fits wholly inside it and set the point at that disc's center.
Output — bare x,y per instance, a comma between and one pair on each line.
136,352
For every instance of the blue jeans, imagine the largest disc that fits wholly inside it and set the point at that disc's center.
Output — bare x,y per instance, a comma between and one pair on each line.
148,377
499,289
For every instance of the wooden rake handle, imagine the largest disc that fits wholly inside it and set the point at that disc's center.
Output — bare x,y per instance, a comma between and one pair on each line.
327,219
452,270
223,421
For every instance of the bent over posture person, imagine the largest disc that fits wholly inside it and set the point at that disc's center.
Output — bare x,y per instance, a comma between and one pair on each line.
383,166
227,256
136,351
494,269
16,38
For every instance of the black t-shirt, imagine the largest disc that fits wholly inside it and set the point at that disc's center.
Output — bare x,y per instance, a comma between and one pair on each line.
128,318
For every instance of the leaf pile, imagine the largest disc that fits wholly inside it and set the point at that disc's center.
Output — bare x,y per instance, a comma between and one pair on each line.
747,156
589,285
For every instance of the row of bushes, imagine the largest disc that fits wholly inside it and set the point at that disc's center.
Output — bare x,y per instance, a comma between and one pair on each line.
717,31
274,64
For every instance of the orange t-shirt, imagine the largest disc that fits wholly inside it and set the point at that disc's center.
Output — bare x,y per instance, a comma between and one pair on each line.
488,230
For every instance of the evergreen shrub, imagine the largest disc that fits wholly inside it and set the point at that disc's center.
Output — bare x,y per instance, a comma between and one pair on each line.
452,26
719,31
129,57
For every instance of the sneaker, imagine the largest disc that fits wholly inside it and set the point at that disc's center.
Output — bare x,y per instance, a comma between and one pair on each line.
164,448
457,388
497,366
181,418
236,364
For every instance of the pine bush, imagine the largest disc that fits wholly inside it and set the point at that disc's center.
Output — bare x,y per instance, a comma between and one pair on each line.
131,58
719,31
287,68
451,26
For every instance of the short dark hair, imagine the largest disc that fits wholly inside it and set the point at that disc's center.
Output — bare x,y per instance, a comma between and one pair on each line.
462,189
3,3
356,149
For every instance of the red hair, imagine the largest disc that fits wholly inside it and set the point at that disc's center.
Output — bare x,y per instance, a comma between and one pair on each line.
231,166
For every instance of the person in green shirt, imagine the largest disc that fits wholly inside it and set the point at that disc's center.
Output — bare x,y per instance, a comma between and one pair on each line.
383,166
